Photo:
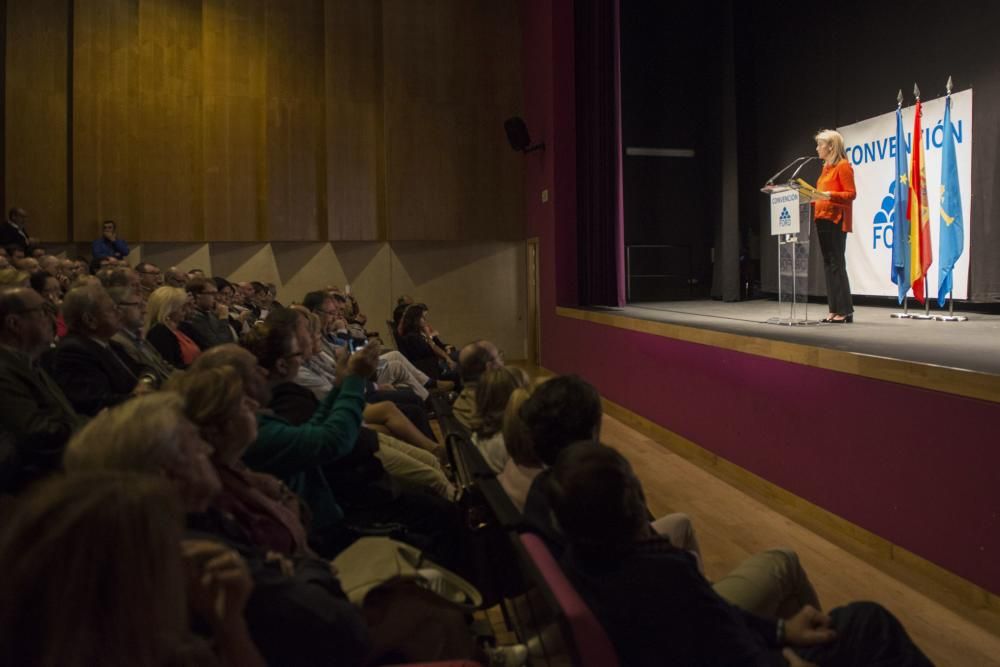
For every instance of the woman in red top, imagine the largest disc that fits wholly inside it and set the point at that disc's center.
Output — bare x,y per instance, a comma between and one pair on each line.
833,222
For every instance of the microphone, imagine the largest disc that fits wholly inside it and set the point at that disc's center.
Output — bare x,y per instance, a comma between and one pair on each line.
791,164
804,163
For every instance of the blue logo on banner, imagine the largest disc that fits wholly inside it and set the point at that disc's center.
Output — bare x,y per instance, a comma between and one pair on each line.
884,219
785,219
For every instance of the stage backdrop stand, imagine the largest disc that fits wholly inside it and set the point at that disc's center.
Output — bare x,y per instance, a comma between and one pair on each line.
791,220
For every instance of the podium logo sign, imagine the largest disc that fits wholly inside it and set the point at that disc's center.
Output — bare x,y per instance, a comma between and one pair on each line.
785,212
871,148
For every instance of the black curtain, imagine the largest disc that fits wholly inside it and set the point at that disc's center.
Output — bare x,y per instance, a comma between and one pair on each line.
600,229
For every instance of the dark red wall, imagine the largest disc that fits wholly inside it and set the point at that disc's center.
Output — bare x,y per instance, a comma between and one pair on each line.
917,467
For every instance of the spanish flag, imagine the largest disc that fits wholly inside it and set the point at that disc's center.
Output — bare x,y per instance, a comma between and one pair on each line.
918,213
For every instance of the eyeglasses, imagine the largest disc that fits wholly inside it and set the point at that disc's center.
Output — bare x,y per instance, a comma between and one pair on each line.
327,312
28,311
127,304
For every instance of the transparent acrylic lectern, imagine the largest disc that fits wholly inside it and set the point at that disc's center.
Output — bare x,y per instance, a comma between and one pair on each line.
791,220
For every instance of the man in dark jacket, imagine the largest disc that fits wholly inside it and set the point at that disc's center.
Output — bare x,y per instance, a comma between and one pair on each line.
204,327
658,609
34,409
91,375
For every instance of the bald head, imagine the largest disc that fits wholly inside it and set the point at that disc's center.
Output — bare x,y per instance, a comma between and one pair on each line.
476,358
89,310
174,277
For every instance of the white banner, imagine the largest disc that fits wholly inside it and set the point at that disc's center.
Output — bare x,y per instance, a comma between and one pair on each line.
871,148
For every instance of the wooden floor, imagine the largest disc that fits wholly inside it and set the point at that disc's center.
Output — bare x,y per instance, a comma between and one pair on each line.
731,525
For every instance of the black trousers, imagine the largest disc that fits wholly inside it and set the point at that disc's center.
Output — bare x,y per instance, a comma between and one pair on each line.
833,243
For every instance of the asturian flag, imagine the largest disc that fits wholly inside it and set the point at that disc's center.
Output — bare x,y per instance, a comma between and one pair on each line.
952,234
918,213
900,227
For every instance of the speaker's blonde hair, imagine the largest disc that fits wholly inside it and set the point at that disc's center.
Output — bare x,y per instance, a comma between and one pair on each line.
835,140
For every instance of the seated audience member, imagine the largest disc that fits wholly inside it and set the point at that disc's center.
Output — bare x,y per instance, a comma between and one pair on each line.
129,343
168,307
229,309
14,232
204,326
174,277
566,409
413,457
308,454
297,614
262,299
317,374
95,573
97,264
426,353
50,290
493,392
657,607
14,278
49,264
474,360
402,303
226,417
523,465
120,276
83,364
27,264
150,277
4,259
109,245
34,410
393,369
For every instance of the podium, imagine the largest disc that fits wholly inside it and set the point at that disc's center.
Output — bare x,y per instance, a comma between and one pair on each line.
791,219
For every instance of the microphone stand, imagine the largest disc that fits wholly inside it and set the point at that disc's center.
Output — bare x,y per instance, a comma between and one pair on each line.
791,164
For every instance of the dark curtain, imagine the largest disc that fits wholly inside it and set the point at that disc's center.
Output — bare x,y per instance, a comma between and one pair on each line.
600,217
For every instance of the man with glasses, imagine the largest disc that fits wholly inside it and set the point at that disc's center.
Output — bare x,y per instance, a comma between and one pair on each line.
34,409
150,277
204,326
88,371
128,343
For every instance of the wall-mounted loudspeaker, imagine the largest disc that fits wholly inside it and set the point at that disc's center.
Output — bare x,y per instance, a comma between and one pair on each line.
517,135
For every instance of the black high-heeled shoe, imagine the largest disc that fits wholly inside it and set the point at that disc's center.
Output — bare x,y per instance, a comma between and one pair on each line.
848,319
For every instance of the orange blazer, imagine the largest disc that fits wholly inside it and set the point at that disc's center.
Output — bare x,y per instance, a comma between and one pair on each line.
838,181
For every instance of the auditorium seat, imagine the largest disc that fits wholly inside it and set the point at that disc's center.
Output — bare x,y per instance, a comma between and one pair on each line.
586,641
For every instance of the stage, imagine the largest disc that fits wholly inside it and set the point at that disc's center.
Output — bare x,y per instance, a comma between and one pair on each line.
973,345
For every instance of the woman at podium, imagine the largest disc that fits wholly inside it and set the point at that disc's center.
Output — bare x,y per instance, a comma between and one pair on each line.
833,222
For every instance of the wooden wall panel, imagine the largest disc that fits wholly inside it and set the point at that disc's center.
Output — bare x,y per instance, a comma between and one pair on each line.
104,80
355,165
37,125
168,108
451,76
296,187
233,116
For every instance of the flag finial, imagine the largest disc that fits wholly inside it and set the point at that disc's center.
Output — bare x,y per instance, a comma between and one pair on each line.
948,86
916,91
899,97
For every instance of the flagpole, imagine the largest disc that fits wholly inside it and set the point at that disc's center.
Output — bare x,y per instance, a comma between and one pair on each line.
927,301
906,297
951,316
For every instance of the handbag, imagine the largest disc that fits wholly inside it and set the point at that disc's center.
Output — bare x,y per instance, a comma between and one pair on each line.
371,562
